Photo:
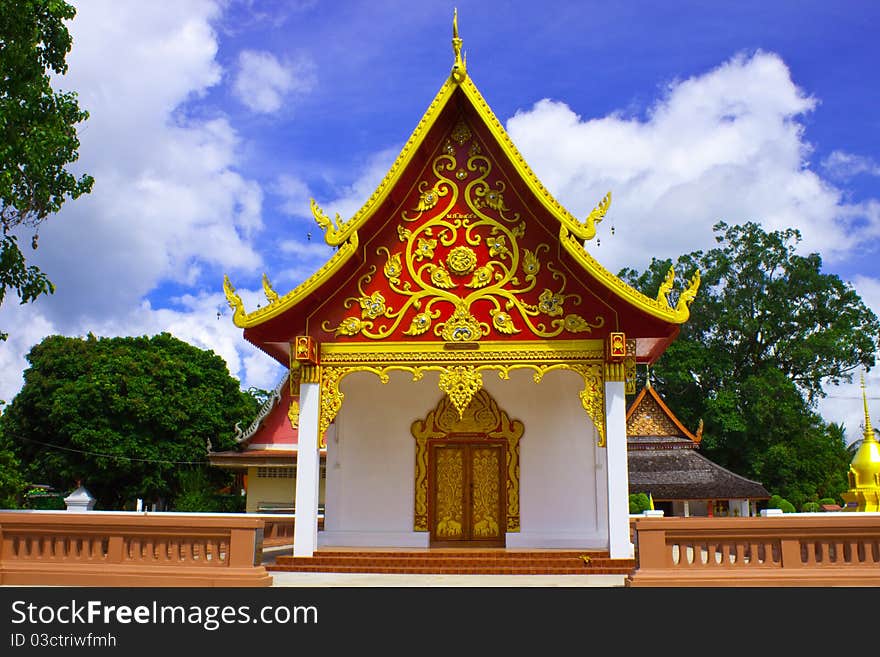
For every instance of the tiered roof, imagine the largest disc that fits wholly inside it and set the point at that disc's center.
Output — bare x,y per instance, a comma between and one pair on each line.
664,461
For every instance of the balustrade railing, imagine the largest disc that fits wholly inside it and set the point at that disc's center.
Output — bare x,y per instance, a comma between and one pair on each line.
131,549
818,549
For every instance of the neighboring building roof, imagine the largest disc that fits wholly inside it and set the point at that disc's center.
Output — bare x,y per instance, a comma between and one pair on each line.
406,187
272,425
663,459
275,458
684,474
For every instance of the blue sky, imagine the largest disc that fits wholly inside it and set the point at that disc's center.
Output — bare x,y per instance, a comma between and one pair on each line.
214,123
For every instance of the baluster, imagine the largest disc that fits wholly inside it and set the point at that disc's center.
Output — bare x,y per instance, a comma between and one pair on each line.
712,555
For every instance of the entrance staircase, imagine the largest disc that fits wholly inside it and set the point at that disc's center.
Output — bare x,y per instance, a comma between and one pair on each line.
462,561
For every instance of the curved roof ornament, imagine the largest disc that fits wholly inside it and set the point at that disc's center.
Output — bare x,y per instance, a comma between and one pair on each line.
459,66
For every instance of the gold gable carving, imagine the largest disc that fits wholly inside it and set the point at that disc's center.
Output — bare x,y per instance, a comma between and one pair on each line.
454,260
651,420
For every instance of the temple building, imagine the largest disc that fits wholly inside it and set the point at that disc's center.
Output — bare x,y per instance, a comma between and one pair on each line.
462,357
864,469
664,462
265,456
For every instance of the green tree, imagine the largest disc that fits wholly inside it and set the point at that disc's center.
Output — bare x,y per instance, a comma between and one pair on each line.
768,329
38,138
129,417
12,483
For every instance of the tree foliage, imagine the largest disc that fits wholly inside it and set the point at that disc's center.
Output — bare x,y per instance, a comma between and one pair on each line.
38,138
12,482
129,417
768,329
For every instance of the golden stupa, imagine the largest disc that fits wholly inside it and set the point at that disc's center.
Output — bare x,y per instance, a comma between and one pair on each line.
864,469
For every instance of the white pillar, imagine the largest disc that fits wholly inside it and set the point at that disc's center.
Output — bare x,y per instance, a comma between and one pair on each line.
618,475
687,509
308,470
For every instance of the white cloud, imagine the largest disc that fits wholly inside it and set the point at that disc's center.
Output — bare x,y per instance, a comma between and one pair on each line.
263,83
842,165
727,145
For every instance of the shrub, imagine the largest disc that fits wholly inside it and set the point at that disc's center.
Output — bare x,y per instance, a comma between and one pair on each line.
811,507
778,502
638,502
828,500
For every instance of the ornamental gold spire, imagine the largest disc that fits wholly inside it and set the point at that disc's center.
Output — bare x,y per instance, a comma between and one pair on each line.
869,430
459,66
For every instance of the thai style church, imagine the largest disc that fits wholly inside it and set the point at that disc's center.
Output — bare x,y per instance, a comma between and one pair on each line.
458,367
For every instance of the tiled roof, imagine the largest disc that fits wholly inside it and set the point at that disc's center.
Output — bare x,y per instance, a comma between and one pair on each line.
685,474
664,460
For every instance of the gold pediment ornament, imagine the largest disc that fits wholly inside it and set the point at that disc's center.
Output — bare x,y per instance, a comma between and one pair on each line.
427,281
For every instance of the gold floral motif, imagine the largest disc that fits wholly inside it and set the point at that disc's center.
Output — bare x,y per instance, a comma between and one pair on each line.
531,265
576,324
351,326
461,383
503,322
461,260
497,247
393,268
420,323
481,278
461,327
550,303
427,200
440,277
372,306
425,249
461,133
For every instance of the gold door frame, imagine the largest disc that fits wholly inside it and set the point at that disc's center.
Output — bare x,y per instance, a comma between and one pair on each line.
481,417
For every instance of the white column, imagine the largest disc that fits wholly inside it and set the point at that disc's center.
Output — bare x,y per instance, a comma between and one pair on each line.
618,474
308,470
687,509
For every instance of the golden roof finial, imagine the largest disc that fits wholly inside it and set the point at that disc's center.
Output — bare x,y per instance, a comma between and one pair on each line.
869,430
459,67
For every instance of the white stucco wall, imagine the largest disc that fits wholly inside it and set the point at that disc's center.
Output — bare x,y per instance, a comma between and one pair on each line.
562,491
371,462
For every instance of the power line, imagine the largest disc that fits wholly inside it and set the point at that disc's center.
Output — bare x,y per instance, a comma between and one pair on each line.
112,456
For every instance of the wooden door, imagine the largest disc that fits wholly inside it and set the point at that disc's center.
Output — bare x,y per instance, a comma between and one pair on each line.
467,499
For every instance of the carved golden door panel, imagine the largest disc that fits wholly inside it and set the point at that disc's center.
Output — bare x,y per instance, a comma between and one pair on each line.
467,497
